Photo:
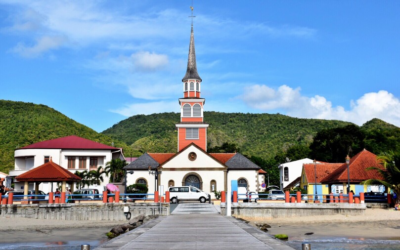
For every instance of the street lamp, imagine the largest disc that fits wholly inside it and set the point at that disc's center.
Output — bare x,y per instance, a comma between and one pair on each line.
348,173
156,173
315,181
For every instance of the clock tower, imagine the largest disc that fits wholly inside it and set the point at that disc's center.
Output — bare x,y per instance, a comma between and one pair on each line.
192,128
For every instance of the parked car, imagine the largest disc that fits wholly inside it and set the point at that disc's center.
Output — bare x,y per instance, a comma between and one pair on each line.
187,193
31,195
87,193
276,195
253,196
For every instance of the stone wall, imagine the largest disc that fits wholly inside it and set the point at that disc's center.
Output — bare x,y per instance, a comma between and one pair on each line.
86,211
284,210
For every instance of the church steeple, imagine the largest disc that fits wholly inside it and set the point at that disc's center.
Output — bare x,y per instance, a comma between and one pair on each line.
191,72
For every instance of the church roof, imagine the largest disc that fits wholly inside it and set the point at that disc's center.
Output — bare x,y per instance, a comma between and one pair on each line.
357,168
69,142
142,163
239,162
48,172
191,72
161,157
222,157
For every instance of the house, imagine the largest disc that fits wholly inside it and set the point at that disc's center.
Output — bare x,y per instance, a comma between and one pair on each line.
192,165
325,178
71,152
290,171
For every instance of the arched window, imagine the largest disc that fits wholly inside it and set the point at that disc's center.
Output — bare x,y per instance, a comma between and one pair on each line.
192,180
171,183
192,86
186,89
141,181
197,86
213,186
197,110
187,110
242,182
286,173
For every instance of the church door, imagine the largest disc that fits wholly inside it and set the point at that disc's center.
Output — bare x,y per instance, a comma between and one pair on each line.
192,180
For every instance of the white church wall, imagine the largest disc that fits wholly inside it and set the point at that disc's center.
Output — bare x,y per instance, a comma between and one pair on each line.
142,174
250,175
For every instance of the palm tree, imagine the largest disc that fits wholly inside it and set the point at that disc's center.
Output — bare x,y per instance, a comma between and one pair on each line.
390,173
115,168
96,176
85,178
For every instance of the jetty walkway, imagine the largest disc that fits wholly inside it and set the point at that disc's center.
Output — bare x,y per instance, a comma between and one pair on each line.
195,226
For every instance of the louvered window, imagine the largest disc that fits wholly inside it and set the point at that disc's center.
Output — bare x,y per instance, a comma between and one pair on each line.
197,110
192,86
192,133
197,86
186,86
286,173
187,110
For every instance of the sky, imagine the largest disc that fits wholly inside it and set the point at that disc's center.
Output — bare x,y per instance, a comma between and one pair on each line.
100,62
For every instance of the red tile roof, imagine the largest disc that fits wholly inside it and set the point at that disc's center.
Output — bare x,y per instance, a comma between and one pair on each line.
69,142
222,157
48,172
261,171
358,169
323,170
161,157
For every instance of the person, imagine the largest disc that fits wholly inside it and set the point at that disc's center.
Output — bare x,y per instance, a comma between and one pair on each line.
57,192
1,189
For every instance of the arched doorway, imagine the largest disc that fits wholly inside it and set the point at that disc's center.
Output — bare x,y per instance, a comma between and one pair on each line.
193,180
242,182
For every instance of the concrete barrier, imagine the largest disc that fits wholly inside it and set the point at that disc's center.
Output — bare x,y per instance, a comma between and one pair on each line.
283,210
86,211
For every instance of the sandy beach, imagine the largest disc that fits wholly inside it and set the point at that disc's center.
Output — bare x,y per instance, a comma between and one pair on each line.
374,224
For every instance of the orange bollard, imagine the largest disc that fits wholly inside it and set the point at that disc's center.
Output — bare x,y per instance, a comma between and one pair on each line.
162,199
357,200
167,196
287,196
336,199
51,198
223,197
341,198
57,200
0,197
235,197
117,197
331,198
350,197
62,200
10,198
292,199
362,198
156,197
389,198
298,196
105,196
4,201
110,199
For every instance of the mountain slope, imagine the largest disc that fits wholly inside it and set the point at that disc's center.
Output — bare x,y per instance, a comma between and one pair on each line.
261,135
22,124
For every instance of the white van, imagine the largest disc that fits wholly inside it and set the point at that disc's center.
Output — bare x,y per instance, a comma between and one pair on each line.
187,193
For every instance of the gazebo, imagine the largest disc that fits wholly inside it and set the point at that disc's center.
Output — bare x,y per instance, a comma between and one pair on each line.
48,172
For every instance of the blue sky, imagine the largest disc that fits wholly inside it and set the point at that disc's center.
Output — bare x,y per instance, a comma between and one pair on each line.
99,62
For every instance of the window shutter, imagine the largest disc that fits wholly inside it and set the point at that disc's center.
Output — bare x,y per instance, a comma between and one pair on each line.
197,110
187,110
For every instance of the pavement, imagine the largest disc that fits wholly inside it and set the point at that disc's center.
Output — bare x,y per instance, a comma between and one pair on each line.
195,227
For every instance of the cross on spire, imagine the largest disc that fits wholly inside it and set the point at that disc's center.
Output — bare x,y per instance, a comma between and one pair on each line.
191,8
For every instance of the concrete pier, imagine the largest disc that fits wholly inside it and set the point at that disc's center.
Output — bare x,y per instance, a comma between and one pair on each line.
195,231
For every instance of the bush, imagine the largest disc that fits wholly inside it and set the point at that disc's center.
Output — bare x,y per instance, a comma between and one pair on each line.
217,194
137,189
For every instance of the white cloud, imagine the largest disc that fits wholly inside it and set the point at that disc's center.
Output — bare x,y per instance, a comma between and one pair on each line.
147,108
147,61
43,44
382,105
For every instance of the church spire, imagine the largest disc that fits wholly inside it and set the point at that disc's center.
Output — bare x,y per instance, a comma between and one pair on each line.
191,72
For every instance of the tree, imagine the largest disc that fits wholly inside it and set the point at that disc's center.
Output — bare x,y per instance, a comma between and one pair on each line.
84,179
390,173
226,147
96,176
115,168
332,145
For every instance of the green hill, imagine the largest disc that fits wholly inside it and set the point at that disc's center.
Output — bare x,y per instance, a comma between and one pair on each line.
22,124
261,135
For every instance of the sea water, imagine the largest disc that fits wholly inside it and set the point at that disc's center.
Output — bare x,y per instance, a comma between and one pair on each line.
329,243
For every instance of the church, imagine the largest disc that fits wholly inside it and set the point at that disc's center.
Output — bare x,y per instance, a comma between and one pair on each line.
192,165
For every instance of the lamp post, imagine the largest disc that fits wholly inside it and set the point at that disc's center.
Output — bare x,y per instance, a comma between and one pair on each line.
348,173
315,180
156,173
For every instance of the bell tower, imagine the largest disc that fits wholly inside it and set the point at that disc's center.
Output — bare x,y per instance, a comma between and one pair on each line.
192,128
